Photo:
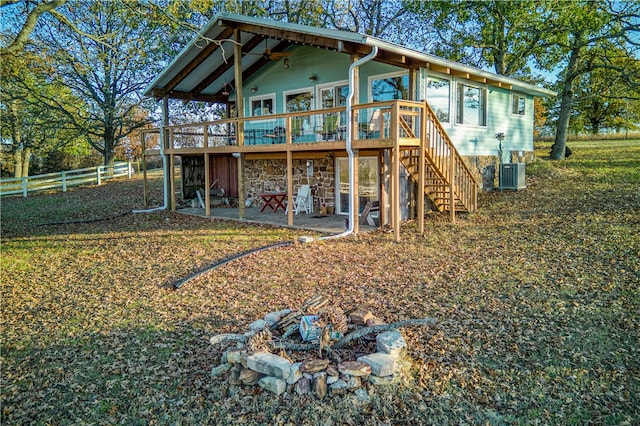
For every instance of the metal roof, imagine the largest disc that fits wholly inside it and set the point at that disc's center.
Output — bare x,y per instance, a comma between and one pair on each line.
203,70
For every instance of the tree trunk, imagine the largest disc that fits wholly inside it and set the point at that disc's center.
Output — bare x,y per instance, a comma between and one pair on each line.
25,162
562,128
17,161
109,157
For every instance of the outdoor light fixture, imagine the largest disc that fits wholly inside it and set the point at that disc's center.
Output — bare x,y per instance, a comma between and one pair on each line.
286,63
225,90
236,155
254,88
313,77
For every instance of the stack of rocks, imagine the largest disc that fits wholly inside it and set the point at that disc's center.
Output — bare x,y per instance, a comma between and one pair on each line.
251,362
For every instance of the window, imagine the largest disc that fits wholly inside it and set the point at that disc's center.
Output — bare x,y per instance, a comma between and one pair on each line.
333,96
517,104
471,105
389,88
438,96
262,105
298,101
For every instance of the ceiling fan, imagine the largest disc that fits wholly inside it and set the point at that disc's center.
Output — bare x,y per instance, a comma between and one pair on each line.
274,56
269,55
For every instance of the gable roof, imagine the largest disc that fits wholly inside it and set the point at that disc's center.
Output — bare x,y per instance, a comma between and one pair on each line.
204,68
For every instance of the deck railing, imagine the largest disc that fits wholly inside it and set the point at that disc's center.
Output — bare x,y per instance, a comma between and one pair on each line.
410,124
371,121
448,163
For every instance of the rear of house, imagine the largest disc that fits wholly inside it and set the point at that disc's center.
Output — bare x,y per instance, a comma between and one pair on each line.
289,122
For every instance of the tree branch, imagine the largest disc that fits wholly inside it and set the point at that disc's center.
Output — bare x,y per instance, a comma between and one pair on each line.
18,43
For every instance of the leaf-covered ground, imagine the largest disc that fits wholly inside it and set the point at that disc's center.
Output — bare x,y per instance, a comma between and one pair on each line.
537,296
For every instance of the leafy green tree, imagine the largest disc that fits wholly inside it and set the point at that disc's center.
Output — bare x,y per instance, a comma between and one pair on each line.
107,69
497,34
29,128
585,34
386,19
603,99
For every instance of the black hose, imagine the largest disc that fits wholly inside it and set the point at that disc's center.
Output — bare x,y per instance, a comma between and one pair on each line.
75,222
226,260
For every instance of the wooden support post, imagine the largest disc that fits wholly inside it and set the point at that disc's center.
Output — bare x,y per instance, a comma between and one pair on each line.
237,71
356,189
395,191
422,167
172,182
145,184
207,186
395,169
64,182
165,145
452,195
290,187
384,194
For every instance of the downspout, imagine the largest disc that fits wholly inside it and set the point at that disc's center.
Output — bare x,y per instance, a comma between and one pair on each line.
352,71
165,167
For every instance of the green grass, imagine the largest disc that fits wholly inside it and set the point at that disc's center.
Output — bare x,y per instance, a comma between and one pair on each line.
536,294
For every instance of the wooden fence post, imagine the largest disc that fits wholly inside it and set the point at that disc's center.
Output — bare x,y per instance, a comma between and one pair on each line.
24,187
64,182
98,173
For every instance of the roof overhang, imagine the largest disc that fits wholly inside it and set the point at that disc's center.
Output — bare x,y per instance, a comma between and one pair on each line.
204,69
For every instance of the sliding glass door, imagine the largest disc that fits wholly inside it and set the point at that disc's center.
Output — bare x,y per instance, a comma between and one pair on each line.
367,182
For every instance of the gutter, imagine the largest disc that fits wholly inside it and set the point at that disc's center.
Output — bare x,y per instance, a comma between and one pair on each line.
352,72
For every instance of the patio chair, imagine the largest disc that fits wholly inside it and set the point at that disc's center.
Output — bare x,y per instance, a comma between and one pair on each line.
329,127
302,201
297,129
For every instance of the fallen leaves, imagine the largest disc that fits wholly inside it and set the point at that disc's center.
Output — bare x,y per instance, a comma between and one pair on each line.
536,295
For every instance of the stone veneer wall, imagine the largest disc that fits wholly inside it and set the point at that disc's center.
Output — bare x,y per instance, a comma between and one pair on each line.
485,168
271,175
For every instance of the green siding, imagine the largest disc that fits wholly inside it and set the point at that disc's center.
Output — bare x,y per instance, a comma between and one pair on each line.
331,66
518,130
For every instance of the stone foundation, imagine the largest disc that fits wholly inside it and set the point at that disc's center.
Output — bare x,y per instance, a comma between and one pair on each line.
271,176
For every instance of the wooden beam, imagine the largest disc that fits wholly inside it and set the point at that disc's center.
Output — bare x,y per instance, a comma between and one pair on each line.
199,59
395,178
237,63
172,182
253,68
279,34
187,96
216,73
290,188
439,68
207,186
356,198
422,167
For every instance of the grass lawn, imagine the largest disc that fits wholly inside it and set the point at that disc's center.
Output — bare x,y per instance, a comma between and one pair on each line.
537,297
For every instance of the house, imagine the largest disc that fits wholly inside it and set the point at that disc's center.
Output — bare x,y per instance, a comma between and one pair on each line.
361,121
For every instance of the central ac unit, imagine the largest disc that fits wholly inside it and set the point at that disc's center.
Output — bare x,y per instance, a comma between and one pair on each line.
512,176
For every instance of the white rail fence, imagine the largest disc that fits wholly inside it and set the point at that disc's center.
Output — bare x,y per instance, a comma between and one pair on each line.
66,179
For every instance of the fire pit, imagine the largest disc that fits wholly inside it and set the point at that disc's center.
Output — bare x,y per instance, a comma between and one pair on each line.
317,349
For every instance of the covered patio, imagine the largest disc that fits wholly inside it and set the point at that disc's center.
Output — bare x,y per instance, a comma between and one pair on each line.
322,223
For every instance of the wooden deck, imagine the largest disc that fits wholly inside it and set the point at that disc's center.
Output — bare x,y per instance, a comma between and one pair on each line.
408,131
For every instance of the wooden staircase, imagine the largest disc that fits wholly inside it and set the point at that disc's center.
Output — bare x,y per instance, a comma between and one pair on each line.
447,179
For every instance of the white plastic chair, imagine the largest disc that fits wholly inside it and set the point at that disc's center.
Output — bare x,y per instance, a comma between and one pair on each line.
303,201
